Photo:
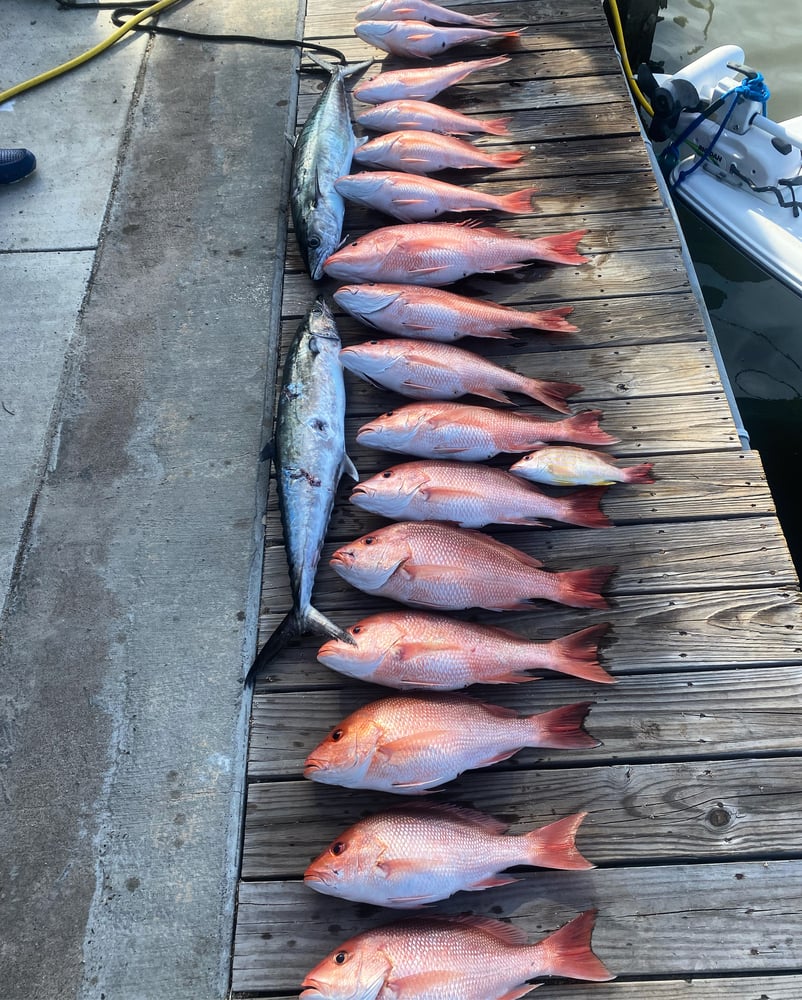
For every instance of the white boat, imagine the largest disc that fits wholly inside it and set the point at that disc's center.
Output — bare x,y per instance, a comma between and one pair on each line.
724,158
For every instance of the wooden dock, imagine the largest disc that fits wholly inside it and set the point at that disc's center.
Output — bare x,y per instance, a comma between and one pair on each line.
694,799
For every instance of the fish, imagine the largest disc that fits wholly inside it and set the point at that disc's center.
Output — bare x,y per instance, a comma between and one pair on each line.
452,958
420,84
437,314
395,115
422,40
323,152
469,433
421,10
309,457
440,253
414,198
565,466
472,496
427,370
428,564
417,152
410,743
406,649
386,859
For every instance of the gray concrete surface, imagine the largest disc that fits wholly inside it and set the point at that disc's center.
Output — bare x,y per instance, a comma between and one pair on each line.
131,516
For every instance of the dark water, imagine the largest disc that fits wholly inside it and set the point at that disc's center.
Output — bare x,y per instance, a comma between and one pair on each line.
757,320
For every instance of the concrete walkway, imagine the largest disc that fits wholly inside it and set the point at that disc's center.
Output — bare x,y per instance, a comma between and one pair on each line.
138,272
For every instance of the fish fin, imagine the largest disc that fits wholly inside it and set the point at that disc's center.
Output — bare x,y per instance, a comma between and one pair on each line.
427,270
639,473
577,654
462,814
551,394
581,588
518,991
409,201
567,951
421,984
582,508
506,159
349,468
399,866
511,553
410,649
554,846
561,728
552,320
413,159
501,931
491,882
561,248
518,202
495,394
410,746
497,758
497,126
422,36
583,428
294,625
268,453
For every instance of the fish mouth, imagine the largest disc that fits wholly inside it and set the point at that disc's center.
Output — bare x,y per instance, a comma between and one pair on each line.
342,557
312,766
311,988
365,431
361,491
319,875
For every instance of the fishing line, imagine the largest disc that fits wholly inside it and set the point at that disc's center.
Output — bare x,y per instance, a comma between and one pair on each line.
137,13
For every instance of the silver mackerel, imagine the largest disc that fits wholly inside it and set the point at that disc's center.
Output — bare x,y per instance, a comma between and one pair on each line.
309,455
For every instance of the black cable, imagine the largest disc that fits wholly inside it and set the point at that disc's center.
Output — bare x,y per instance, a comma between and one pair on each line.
129,10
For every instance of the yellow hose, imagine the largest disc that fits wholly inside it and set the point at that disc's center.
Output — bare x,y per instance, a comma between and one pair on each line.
6,95
619,37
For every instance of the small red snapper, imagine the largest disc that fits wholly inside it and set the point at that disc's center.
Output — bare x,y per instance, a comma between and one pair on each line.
386,859
440,253
412,198
458,958
410,743
394,115
424,369
473,433
417,152
419,39
420,10
472,496
577,466
433,565
406,649
420,84
435,314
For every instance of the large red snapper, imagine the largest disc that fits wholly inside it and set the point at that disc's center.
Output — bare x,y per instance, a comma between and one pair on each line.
473,433
394,115
419,39
472,496
386,859
421,10
433,565
440,253
576,466
420,84
411,198
419,152
410,743
407,649
426,370
457,958
435,314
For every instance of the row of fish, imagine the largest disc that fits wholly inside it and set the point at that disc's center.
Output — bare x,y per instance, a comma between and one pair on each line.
431,558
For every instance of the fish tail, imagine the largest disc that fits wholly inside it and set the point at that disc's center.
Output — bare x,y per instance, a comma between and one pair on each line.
293,626
577,654
554,846
561,249
552,320
567,952
639,473
518,201
506,159
496,126
581,588
582,508
583,428
551,394
562,728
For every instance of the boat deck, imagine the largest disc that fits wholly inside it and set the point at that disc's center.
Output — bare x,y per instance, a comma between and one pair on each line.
694,797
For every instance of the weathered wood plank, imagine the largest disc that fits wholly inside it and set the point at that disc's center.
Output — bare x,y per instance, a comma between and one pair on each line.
650,633
689,487
673,812
655,717
732,918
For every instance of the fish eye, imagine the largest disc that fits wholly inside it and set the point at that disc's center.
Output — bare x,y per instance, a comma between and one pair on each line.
356,630
386,475
373,342
337,735
340,957
337,847
390,413
369,540
313,241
